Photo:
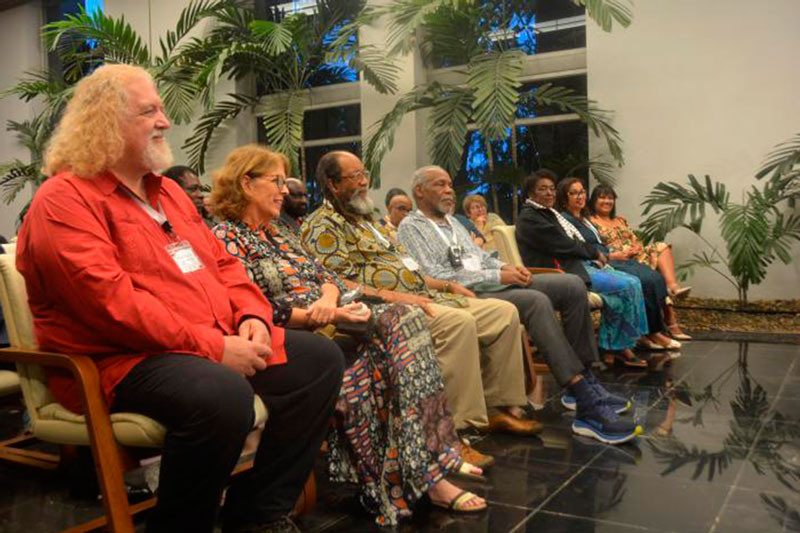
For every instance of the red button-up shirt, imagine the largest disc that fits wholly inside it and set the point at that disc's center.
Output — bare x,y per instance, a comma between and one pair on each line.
101,282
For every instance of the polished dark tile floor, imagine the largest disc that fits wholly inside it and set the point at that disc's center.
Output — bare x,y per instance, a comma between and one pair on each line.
720,453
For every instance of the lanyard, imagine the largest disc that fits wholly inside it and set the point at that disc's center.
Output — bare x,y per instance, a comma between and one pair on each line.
439,230
158,216
594,230
383,240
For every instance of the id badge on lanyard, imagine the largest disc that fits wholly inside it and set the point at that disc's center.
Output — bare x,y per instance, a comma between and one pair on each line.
184,256
180,251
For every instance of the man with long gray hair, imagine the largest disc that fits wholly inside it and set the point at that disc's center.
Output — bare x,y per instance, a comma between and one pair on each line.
119,266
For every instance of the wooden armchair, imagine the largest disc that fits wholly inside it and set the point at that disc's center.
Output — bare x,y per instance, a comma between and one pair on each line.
507,249
109,435
509,253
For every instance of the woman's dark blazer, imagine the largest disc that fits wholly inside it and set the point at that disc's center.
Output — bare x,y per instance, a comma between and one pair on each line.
543,242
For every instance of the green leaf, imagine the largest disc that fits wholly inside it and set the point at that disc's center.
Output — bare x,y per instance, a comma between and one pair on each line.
596,119
783,160
196,146
179,93
449,121
117,42
277,37
190,16
15,176
282,116
379,70
605,12
381,134
494,78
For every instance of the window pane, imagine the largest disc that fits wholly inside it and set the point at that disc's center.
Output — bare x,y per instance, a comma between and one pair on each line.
340,121
562,147
528,109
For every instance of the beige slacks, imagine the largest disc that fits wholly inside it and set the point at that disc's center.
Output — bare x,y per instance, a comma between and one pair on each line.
480,355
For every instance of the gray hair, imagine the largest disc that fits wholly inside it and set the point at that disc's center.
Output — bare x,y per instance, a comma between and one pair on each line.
422,175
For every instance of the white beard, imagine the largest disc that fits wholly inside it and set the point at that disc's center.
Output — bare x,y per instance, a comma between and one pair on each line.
362,205
158,156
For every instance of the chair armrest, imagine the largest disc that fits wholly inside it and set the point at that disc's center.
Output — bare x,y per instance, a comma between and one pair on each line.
544,270
105,450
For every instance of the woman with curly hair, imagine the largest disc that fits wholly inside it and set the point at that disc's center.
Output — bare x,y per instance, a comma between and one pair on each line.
393,433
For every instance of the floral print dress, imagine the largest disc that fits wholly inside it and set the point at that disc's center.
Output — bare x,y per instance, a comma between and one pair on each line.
393,434
621,236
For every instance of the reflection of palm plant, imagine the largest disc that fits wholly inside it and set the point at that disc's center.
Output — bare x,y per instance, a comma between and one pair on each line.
285,56
81,42
480,36
752,420
756,232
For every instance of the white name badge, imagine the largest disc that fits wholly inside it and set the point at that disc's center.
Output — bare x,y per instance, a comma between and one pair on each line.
410,264
183,255
472,263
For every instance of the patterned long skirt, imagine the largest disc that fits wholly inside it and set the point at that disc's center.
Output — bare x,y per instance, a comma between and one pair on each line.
623,317
395,436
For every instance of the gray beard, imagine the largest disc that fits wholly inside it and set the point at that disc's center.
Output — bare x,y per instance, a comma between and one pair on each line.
157,157
361,205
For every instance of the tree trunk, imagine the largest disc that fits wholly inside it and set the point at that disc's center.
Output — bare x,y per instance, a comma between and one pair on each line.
514,164
492,184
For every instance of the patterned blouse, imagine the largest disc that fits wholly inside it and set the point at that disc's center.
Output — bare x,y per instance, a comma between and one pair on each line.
276,261
356,253
621,237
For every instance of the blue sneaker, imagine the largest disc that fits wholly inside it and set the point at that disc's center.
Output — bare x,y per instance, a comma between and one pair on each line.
569,401
596,419
618,403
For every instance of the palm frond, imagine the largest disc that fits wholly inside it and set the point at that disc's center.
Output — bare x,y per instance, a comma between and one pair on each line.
451,37
406,16
179,92
190,16
597,119
282,116
746,230
381,136
677,202
378,69
15,176
197,144
449,121
116,40
605,12
494,78
277,37
35,84
782,160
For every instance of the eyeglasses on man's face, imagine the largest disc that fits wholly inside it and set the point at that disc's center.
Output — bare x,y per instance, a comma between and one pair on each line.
358,175
577,193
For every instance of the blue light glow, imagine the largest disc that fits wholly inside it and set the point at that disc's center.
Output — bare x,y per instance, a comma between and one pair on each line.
92,6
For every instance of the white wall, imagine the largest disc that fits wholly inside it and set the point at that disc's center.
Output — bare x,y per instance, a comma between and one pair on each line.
704,88
19,38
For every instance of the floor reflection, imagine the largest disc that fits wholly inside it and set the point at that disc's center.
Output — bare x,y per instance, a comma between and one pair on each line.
721,452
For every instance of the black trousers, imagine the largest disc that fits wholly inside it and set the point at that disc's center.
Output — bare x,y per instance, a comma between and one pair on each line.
208,411
654,290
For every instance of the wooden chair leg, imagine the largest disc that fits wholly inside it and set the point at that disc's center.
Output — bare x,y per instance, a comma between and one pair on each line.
530,371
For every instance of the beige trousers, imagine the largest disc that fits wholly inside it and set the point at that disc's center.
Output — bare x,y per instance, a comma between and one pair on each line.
480,354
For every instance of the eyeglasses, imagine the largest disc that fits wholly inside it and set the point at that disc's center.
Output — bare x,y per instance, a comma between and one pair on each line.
358,175
277,179
577,193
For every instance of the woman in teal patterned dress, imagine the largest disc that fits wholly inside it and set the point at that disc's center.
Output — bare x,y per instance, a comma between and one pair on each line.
624,318
394,435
